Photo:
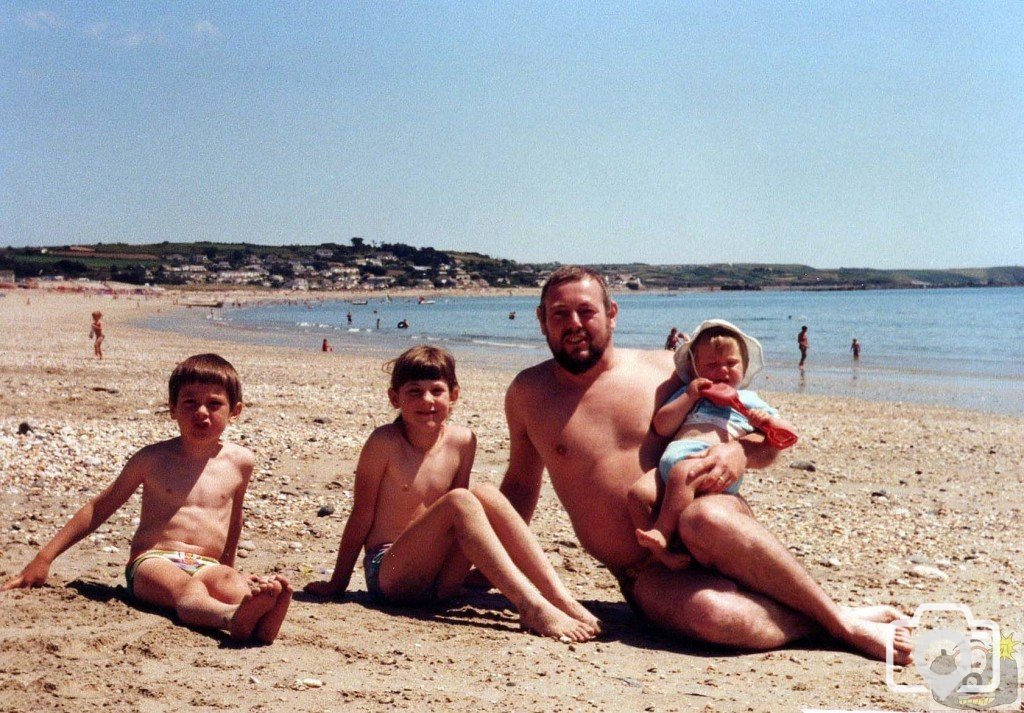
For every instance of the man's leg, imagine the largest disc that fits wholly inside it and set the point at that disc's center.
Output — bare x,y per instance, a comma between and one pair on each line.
722,534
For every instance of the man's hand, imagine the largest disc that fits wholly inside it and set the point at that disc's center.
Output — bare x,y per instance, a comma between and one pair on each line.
718,468
34,575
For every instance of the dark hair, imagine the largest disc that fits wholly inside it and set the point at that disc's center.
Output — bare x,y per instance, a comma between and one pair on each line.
575,273
712,333
423,362
206,369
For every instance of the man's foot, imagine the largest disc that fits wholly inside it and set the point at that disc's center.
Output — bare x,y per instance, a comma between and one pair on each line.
546,620
870,638
882,613
270,624
252,608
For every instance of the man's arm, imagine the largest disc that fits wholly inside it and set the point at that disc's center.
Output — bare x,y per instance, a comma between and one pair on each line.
724,463
523,477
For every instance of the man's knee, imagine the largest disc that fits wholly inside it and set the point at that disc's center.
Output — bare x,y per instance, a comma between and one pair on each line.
708,524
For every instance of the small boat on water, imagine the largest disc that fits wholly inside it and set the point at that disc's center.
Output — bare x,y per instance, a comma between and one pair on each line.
360,302
200,303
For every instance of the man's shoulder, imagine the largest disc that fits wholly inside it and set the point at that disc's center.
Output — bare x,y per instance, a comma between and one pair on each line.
657,361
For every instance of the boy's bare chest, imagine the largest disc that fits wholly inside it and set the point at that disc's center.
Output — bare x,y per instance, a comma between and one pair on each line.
423,478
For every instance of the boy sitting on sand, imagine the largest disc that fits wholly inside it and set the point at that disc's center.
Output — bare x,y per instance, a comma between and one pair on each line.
718,353
183,552
423,526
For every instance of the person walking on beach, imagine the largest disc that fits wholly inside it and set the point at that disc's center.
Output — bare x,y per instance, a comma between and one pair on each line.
585,416
422,524
855,348
183,552
803,343
96,333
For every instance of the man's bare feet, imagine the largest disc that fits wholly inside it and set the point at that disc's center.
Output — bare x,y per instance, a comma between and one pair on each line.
655,541
545,619
871,637
270,624
882,613
253,607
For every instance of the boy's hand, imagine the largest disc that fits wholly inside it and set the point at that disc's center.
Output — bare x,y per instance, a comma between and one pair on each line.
696,386
324,589
34,575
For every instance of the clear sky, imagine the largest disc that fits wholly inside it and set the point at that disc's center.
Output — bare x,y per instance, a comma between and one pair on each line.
862,134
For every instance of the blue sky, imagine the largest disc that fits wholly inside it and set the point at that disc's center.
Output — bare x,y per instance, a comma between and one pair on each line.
853,134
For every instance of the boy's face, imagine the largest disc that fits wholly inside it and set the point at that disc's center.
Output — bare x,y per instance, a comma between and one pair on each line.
203,411
719,360
425,403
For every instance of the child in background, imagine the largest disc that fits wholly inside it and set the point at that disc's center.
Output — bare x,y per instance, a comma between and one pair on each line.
718,353
96,332
183,552
422,525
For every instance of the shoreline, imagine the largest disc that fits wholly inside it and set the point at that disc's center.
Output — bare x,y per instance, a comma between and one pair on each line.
894,487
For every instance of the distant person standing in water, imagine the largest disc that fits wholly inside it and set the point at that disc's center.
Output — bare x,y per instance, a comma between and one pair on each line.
855,348
673,339
96,333
803,343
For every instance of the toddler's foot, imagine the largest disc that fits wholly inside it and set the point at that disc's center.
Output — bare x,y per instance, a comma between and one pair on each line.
655,541
270,624
546,620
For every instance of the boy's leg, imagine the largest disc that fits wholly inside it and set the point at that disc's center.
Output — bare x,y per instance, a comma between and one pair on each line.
525,551
215,597
412,565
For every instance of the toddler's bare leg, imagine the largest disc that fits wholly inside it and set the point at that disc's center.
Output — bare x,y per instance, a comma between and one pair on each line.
679,493
414,562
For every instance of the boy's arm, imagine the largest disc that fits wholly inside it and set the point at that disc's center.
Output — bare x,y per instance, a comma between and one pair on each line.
525,471
369,474
90,516
466,457
246,465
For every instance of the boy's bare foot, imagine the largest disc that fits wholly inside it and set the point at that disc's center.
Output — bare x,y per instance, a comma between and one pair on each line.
252,608
580,613
870,638
270,624
545,619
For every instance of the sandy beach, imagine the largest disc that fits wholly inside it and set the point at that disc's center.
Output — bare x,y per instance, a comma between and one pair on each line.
884,503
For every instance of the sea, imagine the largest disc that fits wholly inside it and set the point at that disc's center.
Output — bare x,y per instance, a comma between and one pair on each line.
955,347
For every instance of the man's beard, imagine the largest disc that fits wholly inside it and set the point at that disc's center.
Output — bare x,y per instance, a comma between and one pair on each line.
577,364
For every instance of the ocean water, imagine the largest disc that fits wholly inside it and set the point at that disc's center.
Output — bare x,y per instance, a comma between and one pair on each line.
957,347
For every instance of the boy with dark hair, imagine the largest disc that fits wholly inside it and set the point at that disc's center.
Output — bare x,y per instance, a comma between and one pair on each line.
183,552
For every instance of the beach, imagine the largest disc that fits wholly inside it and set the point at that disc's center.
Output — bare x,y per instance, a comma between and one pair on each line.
884,503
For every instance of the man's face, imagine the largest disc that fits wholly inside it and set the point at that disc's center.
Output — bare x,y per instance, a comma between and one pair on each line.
577,326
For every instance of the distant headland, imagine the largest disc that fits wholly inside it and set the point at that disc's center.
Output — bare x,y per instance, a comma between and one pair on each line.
391,266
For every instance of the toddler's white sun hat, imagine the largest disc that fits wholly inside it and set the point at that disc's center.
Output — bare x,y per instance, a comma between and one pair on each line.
755,354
